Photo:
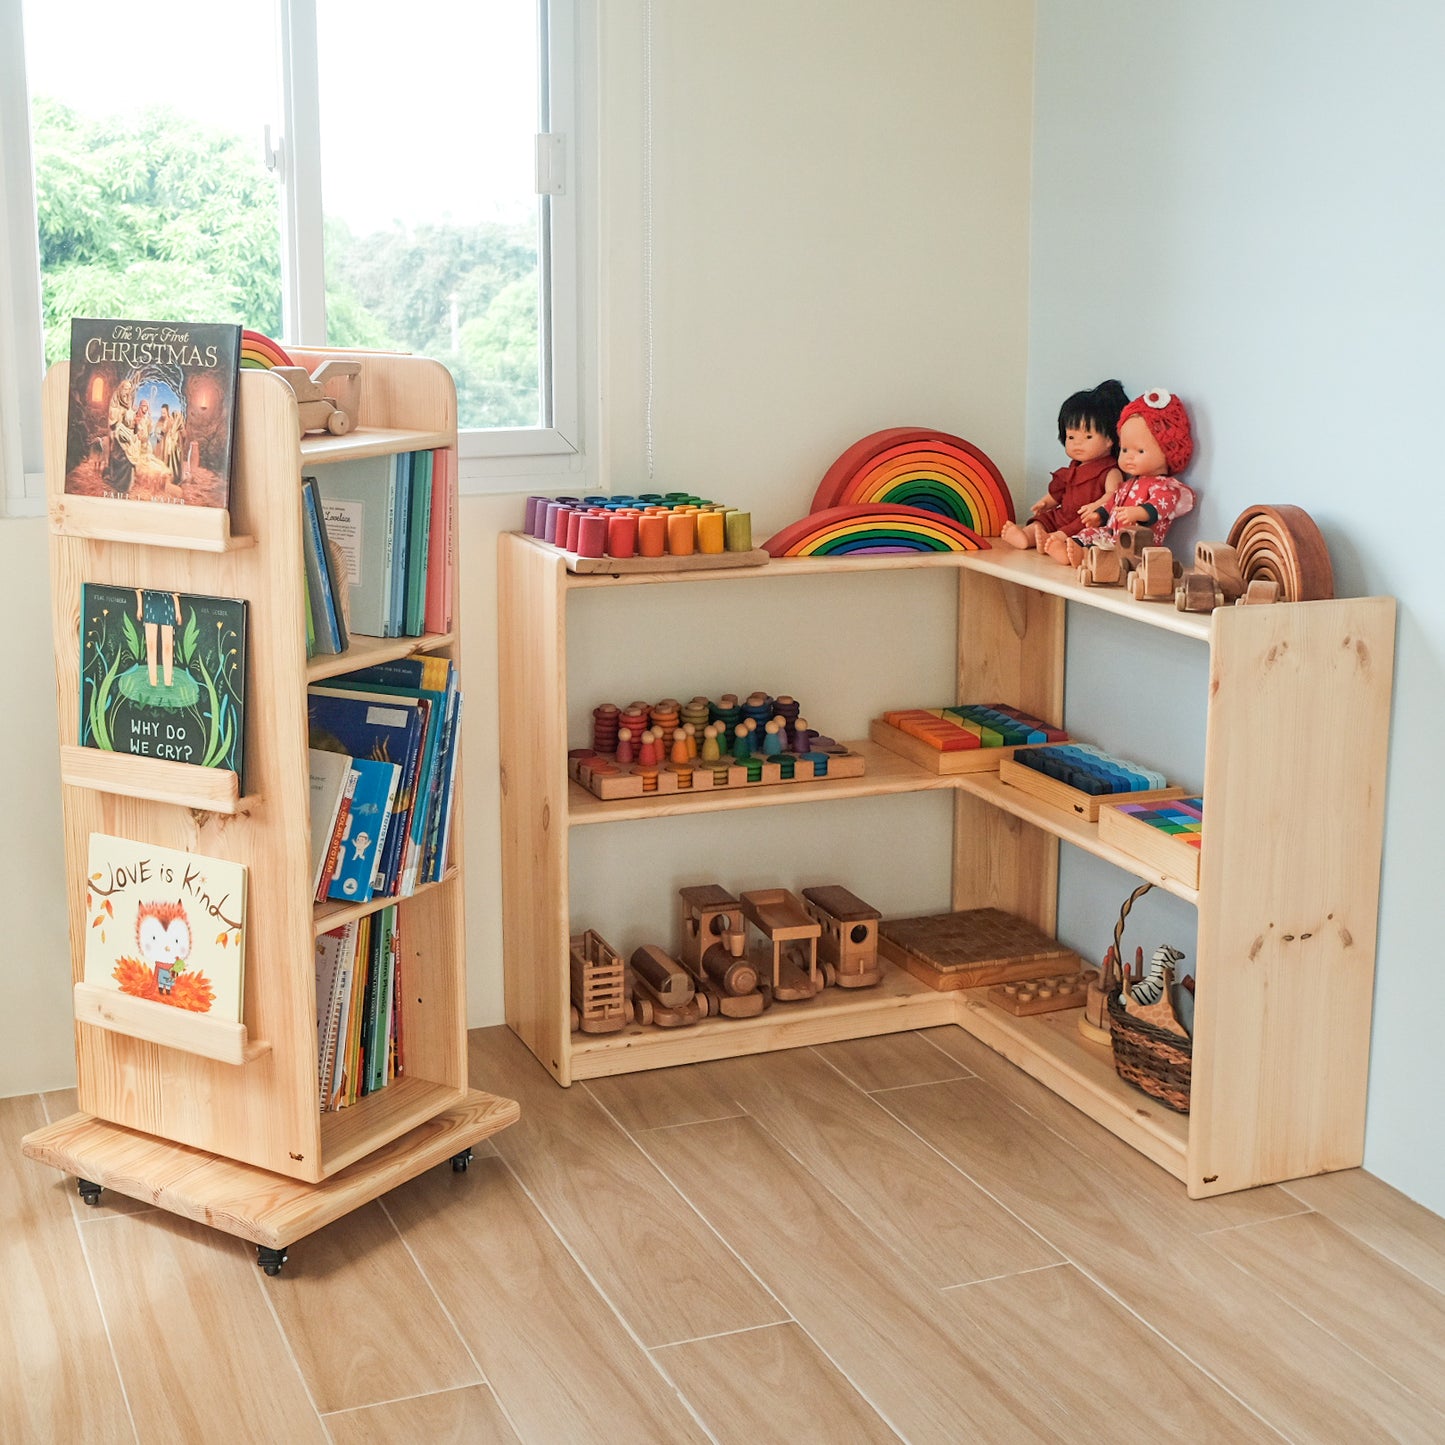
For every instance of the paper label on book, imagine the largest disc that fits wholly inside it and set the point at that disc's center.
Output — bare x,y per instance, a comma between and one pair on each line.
386,717
343,530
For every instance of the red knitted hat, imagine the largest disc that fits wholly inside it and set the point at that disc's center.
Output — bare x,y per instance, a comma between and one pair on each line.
1168,424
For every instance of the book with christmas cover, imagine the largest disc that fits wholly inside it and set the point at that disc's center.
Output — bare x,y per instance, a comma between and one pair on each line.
152,413
163,675
165,925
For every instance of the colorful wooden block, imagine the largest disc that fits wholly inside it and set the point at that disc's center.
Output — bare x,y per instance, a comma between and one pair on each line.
1166,836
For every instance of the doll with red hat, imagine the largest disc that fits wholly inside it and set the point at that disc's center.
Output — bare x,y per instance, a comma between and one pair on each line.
1155,441
1089,435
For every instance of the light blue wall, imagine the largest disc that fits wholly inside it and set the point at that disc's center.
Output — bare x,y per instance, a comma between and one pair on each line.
1245,203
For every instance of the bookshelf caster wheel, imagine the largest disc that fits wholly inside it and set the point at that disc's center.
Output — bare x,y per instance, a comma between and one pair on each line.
89,1192
460,1161
270,1260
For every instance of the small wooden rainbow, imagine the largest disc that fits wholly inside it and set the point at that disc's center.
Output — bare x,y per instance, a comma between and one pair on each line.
872,529
260,353
918,467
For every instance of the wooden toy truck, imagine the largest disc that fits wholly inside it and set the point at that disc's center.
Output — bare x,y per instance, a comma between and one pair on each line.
849,939
781,918
599,985
320,409
714,950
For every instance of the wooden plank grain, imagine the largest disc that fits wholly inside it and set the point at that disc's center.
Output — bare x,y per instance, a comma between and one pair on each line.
452,1417
612,1207
562,1364
56,1360
1233,1326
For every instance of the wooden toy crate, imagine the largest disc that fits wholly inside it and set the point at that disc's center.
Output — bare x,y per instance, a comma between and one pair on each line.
607,779
1071,800
946,760
970,949
1146,830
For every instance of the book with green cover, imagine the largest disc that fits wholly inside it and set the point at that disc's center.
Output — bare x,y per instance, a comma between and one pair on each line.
358,507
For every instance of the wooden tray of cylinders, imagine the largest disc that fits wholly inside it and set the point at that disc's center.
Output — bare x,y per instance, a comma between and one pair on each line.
973,948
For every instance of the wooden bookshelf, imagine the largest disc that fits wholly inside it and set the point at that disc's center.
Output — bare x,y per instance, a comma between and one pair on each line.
244,1095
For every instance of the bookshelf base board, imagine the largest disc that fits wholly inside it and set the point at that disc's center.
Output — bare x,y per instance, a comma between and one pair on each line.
252,1203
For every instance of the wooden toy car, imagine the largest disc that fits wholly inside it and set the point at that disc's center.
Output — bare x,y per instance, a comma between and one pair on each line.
319,409
849,941
1101,567
1153,579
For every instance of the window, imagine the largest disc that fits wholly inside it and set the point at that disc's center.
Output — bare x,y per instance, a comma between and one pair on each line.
403,197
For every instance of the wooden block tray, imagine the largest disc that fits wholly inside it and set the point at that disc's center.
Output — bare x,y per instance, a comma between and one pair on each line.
603,776
1071,800
1165,835
970,949
975,760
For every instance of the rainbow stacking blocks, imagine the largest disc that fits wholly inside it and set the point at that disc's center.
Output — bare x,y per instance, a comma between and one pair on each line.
1077,777
1167,836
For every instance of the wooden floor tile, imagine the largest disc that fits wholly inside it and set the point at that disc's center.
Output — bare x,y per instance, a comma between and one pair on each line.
661,1098
363,1323
454,1417
562,1364
1165,1193
771,1384
200,1351
1101,1372
1387,1314
921,1207
891,1061
650,1253
1230,1324
1386,1220
56,1366
884,1327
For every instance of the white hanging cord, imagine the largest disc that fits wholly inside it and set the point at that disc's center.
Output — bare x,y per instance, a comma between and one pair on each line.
647,339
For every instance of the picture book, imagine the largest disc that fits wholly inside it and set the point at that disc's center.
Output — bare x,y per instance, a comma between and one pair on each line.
358,506
335,960
163,675
152,412
438,615
328,624
375,788
418,540
401,549
331,784
165,925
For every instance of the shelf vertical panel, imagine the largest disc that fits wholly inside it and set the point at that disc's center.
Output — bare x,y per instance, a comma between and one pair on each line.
1294,778
1010,650
532,703
263,1112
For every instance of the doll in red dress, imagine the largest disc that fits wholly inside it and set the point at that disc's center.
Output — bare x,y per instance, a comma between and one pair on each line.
1088,433
1155,441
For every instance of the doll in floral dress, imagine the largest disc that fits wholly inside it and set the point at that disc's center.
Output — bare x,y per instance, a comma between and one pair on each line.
1155,442
1089,435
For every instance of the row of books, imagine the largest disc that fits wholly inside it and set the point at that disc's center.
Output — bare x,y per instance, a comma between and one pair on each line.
358,1013
383,745
377,543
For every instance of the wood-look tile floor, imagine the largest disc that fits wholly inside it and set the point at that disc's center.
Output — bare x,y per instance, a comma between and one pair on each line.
895,1238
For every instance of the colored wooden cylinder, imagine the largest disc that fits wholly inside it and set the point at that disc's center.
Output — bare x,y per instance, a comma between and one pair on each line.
574,527
652,535
711,535
681,534
591,536
621,535
739,531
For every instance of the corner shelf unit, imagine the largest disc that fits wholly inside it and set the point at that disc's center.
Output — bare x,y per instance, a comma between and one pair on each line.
231,1131
1295,755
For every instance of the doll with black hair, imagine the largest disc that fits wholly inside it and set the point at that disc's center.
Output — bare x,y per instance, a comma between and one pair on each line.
1089,435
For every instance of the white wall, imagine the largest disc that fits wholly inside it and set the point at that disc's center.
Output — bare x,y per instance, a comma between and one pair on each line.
1244,203
840,243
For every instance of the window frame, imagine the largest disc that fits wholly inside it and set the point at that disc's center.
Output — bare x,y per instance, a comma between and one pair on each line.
501,460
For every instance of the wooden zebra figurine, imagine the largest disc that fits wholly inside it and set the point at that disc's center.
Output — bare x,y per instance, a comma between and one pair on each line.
1149,1000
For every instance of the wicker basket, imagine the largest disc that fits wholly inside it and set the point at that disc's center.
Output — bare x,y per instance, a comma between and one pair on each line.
1150,1058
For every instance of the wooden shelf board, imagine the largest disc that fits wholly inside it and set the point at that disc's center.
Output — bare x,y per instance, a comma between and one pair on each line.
1075,830
350,1134
368,651
318,448
151,524
1050,1048
253,1203
333,914
211,790
887,772
899,1002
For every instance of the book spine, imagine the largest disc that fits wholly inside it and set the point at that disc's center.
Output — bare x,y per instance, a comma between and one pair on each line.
378,878
438,617
318,573
329,578
338,836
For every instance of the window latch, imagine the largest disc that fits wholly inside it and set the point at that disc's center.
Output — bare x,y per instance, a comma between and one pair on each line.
552,164
273,153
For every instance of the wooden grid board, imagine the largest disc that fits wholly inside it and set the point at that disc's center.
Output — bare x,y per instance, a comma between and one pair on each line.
970,949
